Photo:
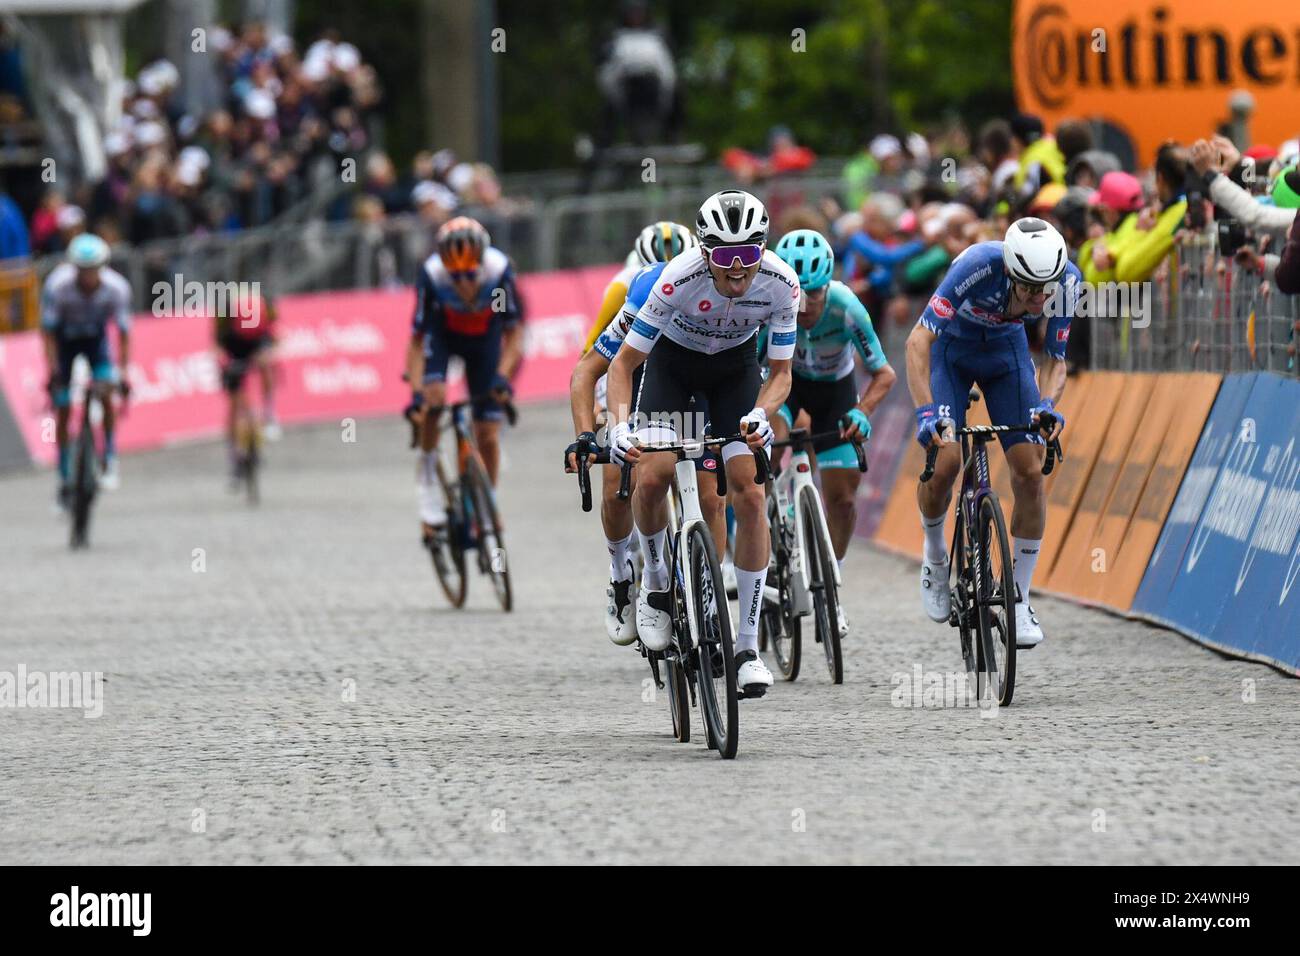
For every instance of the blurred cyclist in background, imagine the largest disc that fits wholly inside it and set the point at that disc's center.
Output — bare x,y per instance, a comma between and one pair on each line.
466,305
80,298
245,337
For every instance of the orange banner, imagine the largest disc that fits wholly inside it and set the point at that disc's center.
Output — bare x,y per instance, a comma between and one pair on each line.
1076,562
1158,70
1189,398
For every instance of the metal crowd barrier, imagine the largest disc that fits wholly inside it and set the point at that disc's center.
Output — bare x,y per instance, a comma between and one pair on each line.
292,257
1207,314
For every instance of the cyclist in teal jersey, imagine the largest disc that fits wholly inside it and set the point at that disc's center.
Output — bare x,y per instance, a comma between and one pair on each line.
833,326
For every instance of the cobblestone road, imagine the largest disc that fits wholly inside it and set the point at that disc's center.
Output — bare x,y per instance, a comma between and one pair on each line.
285,686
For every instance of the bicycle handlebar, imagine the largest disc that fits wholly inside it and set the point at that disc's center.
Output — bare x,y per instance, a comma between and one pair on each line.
801,437
507,406
761,470
1046,422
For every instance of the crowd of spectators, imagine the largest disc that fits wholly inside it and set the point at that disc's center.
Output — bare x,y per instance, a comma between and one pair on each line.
284,125
913,203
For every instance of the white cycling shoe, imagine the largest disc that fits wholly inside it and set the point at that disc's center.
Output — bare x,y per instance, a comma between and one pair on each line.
935,596
1028,632
752,675
111,478
841,620
620,613
431,501
654,622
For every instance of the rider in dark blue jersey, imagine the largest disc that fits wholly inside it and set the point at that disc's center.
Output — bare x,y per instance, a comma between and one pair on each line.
972,332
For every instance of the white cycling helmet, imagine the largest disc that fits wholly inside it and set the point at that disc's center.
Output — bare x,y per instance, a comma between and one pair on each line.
731,217
1034,252
88,251
660,241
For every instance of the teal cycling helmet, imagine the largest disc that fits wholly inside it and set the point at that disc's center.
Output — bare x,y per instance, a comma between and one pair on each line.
808,253
88,251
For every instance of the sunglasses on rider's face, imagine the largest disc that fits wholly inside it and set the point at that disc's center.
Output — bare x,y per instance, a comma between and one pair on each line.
1033,289
465,275
749,254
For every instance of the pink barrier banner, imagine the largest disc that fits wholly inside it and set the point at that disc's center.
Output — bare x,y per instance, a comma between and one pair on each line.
339,355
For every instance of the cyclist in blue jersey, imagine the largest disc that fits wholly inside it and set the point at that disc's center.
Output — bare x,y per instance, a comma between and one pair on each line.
972,332
466,305
833,326
81,297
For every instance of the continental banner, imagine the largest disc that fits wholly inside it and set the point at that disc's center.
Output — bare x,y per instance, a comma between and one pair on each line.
1158,70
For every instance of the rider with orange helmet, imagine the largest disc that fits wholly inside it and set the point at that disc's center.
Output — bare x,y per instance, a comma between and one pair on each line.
466,305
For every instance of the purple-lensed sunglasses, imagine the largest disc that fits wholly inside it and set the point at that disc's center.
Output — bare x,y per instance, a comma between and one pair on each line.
749,254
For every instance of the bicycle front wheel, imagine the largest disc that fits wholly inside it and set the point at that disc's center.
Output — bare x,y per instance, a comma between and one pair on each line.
679,703
996,664
448,554
821,582
84,484
716,664
780,625
487,532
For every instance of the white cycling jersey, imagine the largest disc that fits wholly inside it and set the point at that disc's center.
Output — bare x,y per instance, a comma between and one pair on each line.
689,310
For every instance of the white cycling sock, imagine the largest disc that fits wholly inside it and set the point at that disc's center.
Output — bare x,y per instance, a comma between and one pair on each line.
620,557
749,590
936,545
1026,557
655,574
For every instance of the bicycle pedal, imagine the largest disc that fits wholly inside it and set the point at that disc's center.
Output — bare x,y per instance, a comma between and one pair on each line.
754,691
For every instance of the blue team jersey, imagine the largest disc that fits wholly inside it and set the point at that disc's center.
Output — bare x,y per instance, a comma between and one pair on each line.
638,290
971,302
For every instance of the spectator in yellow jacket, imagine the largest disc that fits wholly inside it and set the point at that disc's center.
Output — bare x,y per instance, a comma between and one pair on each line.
1116,202
1137,259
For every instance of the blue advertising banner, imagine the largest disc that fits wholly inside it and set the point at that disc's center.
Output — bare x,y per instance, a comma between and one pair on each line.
1225,567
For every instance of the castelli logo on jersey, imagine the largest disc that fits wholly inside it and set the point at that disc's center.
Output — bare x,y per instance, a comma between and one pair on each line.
705,305
1063,335
942,307
666,288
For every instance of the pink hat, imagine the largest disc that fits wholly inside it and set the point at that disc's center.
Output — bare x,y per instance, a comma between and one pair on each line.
1118,191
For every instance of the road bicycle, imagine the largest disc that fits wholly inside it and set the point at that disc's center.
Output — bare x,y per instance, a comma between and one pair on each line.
984,595
249,438
87,459
699,662
803,576
473,523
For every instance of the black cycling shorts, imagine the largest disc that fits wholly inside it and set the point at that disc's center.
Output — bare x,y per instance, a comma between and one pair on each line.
725,385
825,403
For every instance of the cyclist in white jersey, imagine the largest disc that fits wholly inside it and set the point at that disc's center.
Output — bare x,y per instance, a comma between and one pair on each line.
695,334
81,298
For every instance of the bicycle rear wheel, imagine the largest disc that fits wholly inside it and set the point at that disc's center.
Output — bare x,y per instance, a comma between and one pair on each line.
963,604
996,673
449,555
778,627
492,558
821,582
715,666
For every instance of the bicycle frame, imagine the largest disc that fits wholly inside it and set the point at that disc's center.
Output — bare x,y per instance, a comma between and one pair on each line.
688,501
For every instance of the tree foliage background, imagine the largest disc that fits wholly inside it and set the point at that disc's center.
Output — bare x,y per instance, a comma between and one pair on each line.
869,66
